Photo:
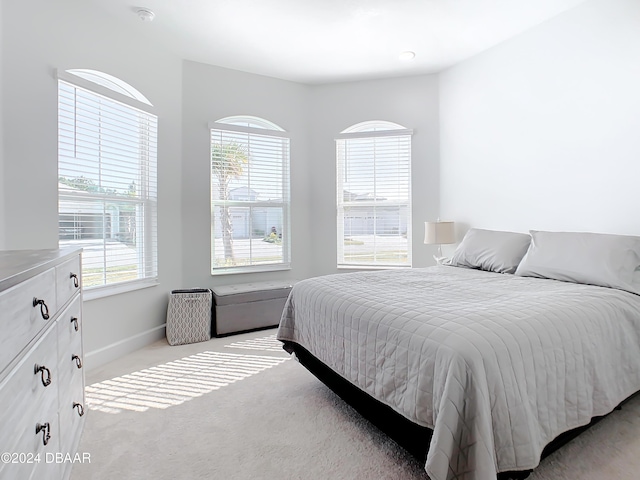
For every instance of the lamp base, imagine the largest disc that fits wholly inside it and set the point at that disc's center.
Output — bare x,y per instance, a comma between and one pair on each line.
439,260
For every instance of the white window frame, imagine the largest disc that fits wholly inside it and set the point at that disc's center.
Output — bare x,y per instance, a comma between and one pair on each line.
370,130
259,127
115,90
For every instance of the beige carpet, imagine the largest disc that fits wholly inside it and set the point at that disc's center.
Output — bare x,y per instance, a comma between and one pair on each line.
239,408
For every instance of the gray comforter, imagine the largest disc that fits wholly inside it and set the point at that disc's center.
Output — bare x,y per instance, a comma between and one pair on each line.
496,365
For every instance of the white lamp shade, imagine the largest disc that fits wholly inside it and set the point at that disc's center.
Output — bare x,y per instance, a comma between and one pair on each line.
439,233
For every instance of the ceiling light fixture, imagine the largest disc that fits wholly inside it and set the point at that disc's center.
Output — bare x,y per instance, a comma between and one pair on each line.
145,14
407,56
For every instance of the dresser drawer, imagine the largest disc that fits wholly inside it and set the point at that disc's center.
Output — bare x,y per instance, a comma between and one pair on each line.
51,469
68,279
17,469
71,387
71,368
30,444
73,412
29,395
21,317
70,355
70,323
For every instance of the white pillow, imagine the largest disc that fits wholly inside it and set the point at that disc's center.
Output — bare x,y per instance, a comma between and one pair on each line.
591,258
491,250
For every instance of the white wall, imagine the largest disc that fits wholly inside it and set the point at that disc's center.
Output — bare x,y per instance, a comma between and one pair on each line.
40,36
542,131
2,46
209,94
410,101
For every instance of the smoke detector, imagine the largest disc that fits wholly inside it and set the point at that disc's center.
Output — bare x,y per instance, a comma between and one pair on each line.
145,14
407,56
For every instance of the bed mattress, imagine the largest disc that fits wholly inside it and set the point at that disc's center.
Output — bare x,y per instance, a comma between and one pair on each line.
497,365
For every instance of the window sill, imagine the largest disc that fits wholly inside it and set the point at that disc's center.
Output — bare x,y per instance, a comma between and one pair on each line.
255,269
117,289
372,267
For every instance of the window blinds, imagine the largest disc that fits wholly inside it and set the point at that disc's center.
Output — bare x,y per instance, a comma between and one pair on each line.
249,199
374,198
107,182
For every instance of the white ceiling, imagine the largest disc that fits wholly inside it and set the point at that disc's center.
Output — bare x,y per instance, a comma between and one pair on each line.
322,41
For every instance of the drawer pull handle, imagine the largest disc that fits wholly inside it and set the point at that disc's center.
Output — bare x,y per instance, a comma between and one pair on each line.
79,407
78,360
46,429
74,320
76,283
41,369
44,310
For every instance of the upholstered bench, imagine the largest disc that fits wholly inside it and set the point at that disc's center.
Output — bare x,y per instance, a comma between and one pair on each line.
248,306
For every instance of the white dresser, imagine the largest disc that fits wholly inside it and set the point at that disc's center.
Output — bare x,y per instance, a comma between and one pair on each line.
42,402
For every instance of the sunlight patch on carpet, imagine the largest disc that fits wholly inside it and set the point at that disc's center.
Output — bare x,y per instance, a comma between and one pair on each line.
269,344
173,383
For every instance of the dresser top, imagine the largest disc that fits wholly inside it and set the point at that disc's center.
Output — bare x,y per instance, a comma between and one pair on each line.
19,265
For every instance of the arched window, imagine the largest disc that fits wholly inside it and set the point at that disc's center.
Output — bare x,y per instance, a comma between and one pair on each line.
107,180
250,122
374,195
250,203
110,82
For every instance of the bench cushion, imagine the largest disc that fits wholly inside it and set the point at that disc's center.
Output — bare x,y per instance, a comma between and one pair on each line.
250,292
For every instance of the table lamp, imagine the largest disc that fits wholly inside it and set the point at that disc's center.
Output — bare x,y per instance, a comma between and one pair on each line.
439,233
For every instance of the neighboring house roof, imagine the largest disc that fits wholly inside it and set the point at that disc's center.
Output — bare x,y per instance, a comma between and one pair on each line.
246,193
243,193
355,197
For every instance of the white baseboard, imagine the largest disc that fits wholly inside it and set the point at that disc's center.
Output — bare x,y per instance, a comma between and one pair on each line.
116,350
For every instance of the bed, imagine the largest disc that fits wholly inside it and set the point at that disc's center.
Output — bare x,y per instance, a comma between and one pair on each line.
491,364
